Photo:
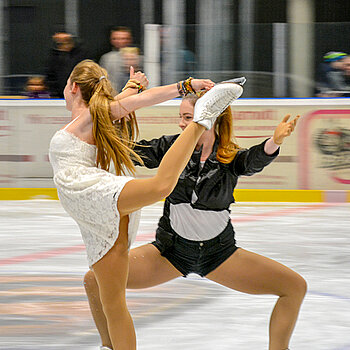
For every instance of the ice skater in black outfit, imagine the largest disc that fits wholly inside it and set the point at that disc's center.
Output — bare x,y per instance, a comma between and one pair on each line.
195,234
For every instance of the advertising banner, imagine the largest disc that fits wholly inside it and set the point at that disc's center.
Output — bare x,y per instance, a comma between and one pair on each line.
324,150
315,157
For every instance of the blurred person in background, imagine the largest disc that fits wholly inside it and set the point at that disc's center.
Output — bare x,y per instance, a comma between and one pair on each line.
339,80
120,37
63,57
333,63
130,57
195,233
36,88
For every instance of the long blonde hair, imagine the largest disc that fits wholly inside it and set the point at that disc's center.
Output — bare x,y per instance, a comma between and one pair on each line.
223,128
114,142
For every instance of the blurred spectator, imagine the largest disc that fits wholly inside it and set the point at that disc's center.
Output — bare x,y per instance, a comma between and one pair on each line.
185,61
36,88
65,54
120,37
332,62
339,80
130,56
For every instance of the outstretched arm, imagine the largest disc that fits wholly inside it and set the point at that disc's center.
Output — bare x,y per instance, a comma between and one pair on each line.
121,108
253,160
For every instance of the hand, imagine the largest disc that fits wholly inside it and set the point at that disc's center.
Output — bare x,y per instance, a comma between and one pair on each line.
202,84
284,129
140,76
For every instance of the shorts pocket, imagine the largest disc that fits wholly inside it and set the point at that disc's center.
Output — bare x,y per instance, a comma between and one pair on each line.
165,239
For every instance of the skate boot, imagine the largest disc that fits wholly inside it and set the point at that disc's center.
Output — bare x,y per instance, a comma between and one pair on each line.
215,101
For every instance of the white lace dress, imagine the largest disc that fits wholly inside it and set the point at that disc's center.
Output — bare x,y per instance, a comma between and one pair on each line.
89,194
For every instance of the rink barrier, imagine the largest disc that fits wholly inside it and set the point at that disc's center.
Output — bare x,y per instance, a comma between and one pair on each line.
241,195
316,157
266,195
11,194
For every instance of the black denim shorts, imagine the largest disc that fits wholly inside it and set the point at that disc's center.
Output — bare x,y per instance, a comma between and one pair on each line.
200,257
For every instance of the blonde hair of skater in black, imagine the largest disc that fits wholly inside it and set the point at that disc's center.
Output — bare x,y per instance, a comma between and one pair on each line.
233,267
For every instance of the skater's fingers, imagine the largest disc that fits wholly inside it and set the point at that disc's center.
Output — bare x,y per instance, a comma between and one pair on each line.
285,119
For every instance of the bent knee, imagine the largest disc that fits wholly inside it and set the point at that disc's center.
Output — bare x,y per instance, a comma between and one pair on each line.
301,286
90,280
297,286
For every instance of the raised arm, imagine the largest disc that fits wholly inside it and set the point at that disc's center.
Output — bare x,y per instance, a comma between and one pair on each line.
122,107
253,160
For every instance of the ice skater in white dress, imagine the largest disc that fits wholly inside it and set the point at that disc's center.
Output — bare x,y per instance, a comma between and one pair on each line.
105,206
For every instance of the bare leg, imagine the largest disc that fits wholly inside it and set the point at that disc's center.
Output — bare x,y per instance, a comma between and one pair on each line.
254,274
147,268
111,274
93,294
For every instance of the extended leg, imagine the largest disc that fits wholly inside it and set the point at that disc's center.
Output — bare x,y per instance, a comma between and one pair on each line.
254,274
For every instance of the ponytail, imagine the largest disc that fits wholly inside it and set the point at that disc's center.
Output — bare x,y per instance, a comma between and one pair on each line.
114,142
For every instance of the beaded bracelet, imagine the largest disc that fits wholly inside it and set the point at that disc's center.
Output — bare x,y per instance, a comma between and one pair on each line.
184,87
180,89
188,86
140,88
134,84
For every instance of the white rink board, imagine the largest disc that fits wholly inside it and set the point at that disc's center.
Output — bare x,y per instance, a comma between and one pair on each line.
316,156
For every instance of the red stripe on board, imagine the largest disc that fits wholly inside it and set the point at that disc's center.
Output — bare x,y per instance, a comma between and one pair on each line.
340,180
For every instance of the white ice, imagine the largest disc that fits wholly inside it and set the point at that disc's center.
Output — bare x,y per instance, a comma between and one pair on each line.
43,305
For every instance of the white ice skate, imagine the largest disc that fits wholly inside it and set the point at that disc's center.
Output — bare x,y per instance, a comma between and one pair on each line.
215,101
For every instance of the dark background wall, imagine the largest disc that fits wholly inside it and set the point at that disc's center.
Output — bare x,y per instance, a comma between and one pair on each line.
96,21
29,25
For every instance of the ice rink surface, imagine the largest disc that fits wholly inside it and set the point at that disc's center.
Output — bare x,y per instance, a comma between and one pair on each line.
43,304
